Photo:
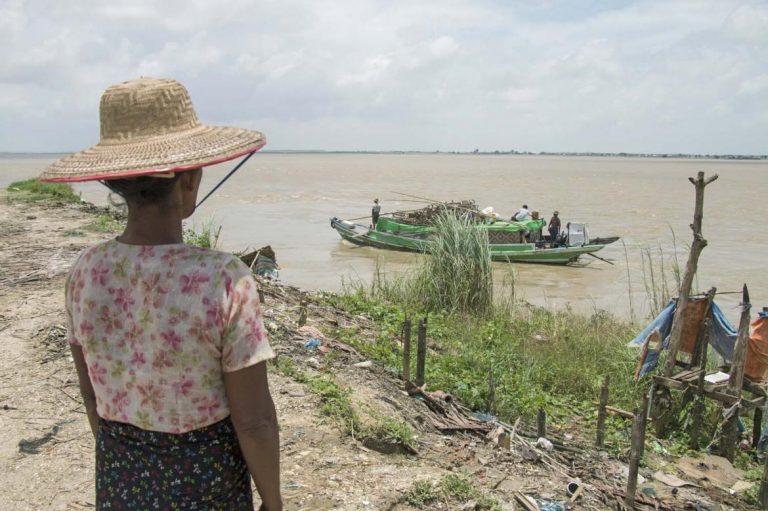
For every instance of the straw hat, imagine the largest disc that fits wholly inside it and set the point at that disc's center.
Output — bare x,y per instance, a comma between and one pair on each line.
148,126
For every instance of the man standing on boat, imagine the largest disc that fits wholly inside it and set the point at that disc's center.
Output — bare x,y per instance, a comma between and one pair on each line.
375,213
554,228
522,214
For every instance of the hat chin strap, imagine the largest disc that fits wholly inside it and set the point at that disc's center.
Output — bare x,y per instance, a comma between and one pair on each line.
224,179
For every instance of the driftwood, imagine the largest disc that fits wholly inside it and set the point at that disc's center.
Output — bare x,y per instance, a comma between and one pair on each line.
690,270
445,415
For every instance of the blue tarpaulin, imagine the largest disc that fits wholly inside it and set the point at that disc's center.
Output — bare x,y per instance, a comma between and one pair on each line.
722,334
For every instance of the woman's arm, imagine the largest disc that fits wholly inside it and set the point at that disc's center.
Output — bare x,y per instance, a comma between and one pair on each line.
255,420
86,389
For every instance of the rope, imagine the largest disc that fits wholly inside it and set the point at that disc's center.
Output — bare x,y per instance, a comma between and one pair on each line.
225,178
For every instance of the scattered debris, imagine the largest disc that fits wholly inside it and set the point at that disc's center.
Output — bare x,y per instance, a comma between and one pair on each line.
672,480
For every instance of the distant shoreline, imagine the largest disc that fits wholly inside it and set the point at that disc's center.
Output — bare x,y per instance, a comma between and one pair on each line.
681,156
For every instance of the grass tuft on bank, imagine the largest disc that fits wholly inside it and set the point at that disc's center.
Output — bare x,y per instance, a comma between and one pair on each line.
33,190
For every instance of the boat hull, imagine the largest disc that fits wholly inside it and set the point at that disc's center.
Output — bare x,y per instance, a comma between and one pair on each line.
508,253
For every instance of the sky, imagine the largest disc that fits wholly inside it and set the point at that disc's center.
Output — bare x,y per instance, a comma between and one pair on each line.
669,76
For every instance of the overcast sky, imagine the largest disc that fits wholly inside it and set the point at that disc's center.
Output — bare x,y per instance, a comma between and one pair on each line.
560,75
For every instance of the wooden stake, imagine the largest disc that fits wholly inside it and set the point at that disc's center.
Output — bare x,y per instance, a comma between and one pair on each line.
764,487
757,427
736,381
421,352
697,413
636,451
261,296
541,423
490,402
690,270
407,350
303,313
601,412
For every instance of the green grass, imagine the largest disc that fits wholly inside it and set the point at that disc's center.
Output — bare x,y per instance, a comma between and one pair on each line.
104,223
33,190
538,358
336,403
453,490
205,236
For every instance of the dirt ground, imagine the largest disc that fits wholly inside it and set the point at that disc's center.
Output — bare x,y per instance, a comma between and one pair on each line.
46,448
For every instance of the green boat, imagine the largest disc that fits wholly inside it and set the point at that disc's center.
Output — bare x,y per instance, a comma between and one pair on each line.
390,234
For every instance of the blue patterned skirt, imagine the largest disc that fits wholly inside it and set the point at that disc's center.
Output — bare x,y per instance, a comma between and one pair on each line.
138,469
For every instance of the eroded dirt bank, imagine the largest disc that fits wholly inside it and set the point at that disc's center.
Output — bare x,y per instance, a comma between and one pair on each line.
46,449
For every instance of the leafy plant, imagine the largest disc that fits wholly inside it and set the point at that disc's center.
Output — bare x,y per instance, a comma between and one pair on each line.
206,236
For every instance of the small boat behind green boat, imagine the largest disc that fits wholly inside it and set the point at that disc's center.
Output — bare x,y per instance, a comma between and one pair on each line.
506,239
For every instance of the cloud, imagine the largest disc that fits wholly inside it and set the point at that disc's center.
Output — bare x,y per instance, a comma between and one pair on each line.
683,76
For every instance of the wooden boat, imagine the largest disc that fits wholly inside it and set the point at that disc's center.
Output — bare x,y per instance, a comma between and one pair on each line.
390,234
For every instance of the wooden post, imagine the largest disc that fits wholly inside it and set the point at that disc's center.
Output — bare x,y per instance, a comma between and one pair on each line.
697,413
636,451
407,350
541,423
601,413
261,296
421,352
690,270
757,427
303,312
764,487
736,381
490,402
504,441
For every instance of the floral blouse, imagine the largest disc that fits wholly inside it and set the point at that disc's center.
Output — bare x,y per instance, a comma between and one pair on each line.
158,326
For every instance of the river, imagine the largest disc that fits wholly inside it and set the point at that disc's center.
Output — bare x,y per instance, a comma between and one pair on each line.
286,200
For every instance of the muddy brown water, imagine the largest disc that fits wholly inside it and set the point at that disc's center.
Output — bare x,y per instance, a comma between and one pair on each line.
286,200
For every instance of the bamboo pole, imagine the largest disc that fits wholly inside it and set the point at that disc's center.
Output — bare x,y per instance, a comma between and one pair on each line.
636,451
736,380
407,350
690,270
601,412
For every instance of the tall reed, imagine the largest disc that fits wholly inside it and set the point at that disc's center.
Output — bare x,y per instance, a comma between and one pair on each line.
458,274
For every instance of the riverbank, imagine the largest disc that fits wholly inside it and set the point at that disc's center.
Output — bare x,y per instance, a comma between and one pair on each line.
337,408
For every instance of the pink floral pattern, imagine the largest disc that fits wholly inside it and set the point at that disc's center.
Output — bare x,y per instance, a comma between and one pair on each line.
159,326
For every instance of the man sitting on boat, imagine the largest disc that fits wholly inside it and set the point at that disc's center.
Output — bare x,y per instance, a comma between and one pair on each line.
522,214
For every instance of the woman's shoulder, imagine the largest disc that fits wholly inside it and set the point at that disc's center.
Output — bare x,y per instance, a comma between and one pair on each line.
224,261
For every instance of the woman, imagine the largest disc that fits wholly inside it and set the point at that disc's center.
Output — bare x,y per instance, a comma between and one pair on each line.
168,339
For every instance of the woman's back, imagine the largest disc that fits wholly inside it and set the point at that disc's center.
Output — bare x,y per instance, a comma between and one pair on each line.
157,325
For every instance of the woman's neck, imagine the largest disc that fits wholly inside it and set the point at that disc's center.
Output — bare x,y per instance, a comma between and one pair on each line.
152,225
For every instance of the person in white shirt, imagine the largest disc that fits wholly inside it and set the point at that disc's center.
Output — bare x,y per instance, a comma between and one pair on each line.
522,214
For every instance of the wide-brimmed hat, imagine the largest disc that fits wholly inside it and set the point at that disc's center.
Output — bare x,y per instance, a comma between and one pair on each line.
149,126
